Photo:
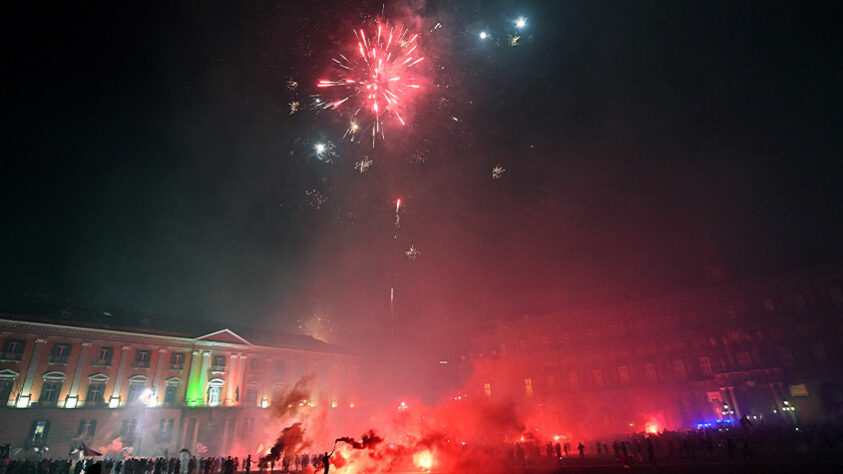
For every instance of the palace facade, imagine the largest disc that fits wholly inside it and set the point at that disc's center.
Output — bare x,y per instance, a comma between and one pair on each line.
153,392
768,349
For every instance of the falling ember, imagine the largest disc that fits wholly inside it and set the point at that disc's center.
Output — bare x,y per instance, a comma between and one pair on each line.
513,40
498,171
377,79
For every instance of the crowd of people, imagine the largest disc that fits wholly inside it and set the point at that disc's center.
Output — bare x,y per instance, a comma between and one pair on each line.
162,465
705,445
708,445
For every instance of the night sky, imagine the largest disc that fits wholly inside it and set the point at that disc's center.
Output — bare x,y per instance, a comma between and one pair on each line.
151,163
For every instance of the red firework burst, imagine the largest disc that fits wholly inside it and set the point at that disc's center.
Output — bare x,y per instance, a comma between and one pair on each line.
377,78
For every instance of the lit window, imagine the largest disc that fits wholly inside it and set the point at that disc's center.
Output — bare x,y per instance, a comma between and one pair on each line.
170,394
679,370
39,430
623,375
650,372
573,381
104,356
87,428
218,363
127,431
251,396
177,361
13,349
214,395
96,394
5,391
528,386
142,359
59,354
487,389
705,366
744,360
135,391
165,427
50,392
599,380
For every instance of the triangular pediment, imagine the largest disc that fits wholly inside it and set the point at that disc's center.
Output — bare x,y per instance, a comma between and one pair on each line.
98,378
224,335
7,374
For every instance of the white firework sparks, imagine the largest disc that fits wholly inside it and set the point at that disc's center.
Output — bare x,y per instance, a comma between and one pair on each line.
316,198
418,157
513,40
324,151
363,165
412,253
498,171
294,106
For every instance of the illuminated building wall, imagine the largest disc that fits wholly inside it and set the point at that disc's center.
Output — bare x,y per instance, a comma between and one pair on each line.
62,384
768,349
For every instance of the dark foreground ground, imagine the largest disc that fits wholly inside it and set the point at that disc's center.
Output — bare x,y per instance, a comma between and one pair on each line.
796,467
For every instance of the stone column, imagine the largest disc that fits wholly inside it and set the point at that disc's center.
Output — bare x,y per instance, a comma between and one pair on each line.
203,376
735,402
121,371
241,376
80,364
192,395
33,368
195,438
231,380
159,371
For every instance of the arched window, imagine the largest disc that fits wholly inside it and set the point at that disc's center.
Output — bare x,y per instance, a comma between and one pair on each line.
7,381
96,390
137,385
215,391
51,389
171,391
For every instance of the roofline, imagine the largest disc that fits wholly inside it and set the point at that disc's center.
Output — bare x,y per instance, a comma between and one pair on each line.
173,339
224,330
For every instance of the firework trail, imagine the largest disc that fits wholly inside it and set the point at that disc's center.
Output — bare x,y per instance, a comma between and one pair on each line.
376,80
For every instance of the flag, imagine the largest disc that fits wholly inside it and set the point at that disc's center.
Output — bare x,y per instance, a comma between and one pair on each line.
86,451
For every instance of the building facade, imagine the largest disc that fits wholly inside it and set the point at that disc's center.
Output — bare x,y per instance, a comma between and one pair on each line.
768,349
150,393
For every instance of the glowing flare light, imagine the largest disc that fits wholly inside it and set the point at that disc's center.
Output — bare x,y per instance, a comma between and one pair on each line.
377,78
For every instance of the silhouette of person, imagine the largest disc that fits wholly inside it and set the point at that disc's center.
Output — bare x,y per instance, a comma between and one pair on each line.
651,452
326,460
